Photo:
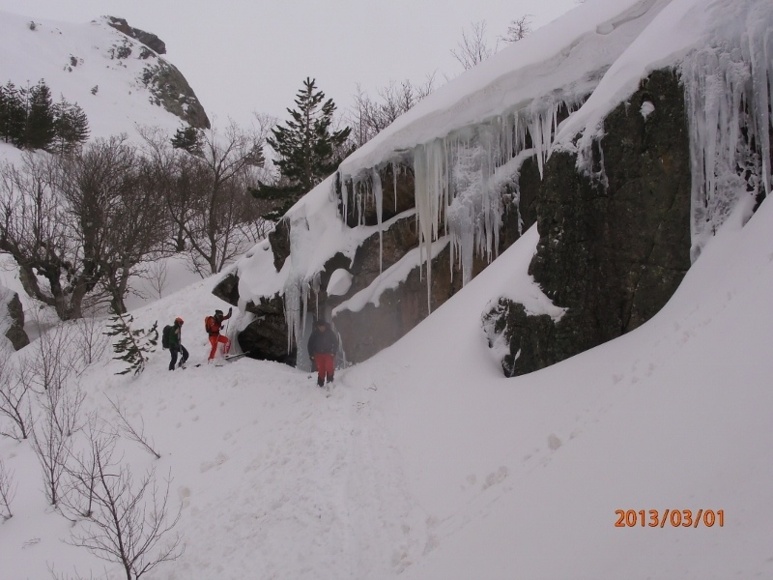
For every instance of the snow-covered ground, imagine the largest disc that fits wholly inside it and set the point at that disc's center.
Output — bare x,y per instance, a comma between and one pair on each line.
426,463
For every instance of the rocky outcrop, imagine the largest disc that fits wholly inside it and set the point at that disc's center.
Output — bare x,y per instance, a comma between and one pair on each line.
15,321
373,328
266,337
167,85
149,39
171,91
613,247
228,289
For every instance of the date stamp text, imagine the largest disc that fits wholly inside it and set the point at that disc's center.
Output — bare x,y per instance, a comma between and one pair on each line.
670,517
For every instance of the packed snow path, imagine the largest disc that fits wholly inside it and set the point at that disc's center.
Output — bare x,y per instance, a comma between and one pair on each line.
279,480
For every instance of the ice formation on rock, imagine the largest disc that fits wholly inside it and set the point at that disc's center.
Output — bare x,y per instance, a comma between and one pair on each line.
728,89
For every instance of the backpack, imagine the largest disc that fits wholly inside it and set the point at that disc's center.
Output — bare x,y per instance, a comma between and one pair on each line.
210,325
166,335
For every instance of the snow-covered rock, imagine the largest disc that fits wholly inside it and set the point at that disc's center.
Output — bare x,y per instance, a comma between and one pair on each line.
542,133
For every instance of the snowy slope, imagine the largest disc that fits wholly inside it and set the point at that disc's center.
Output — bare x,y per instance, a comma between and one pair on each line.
426,463
75,58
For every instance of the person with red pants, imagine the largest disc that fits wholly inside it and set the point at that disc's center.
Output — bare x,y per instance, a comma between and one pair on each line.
213,325
323,346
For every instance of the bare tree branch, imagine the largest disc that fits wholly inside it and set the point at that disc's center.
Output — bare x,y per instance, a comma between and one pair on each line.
138,436
7,492
128,524
473,48
14,400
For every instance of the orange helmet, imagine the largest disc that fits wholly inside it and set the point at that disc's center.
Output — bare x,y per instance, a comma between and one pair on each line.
178,320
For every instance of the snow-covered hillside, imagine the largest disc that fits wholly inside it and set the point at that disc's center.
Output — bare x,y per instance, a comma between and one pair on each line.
425,462
91,64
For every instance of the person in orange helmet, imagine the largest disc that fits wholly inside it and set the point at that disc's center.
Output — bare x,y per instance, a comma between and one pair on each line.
175,342
213,325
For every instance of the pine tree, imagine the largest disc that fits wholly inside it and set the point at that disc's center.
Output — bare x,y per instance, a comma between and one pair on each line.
71,127
132,346
305,145
5,104
39,130
189,139
13,113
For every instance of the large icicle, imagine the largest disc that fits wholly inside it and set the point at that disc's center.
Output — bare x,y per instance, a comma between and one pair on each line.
378,198
728,87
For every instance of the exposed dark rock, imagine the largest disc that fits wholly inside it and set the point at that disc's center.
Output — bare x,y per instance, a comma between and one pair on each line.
612,250
228,289
171,91
373,328
529,337
266,337
148,39
279,239
165,82
15,333
397,241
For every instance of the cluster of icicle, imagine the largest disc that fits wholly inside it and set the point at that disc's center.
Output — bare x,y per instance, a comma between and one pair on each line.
728,91
459,181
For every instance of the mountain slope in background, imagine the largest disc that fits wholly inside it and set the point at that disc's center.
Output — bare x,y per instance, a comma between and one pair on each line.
120,83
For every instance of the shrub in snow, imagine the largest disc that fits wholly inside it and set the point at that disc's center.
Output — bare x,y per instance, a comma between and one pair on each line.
132,346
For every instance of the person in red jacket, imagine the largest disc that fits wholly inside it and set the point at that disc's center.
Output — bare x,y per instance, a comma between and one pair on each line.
323,346
213,325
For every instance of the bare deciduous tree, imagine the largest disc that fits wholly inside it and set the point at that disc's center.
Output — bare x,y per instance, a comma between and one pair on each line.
91,342
52,449
473,48
128,524
371,116
156,274
47,371
116,210
207,191
53,362
133,434
82,470
7,492
81,222
35,230
14,400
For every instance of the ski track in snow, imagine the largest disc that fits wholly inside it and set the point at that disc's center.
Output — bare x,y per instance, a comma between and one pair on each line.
317,494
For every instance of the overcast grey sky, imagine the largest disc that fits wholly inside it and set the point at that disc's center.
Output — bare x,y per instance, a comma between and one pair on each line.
242,56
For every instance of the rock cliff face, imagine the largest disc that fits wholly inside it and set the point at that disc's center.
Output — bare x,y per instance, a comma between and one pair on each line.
613,247
620,196
612,251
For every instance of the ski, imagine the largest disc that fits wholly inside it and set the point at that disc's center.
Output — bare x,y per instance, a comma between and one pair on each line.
235,356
